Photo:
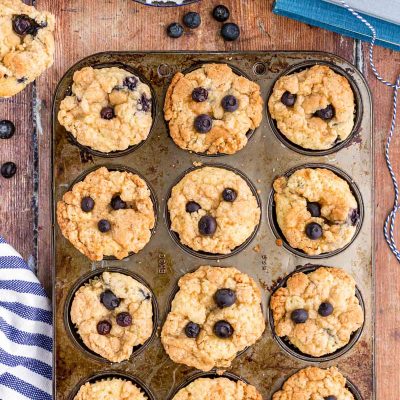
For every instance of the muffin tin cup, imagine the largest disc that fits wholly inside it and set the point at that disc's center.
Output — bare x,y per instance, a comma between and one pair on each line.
357,102
202,254
280,236
122,168
292,350
109,375
349,386
210,374
250,133
72,331
154,110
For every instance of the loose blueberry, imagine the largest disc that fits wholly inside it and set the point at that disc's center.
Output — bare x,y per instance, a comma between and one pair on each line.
354,216
288,99
230,103
314,209
203,123
224,297
124,319
192,330
230,31
299,316
192,207
223,329
326,113
7,129
103,328
130,82
314,230
207,225
107,113
229,195
200,94
87,204
117,203
144,104
330,398
175,30
104,225
8,170
109,300
24,25
325,309
192,20
221,13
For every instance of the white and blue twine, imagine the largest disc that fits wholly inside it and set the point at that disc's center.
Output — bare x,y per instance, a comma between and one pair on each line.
26,338
389,225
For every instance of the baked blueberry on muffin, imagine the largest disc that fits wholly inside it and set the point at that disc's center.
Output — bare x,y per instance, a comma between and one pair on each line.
315,383
215,314
109,109
315,210
26,45
113,313
217,389
313,108
211,109
318,311
213,210
109,213
110,389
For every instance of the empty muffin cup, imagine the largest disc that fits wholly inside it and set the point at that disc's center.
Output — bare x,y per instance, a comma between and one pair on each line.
117,153
72,331
202,254
292,350
122,168
358,111
108,375
277,230
211,374
238,72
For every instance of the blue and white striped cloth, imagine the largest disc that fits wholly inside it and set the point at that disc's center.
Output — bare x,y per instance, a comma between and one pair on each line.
26,338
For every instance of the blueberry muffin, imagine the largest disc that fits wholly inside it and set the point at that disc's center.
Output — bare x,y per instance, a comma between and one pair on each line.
315,210
109,213
217,389
26,45
109,109
213,210
315,383
318,311
110,389
313,108
215,314
113,313
211,109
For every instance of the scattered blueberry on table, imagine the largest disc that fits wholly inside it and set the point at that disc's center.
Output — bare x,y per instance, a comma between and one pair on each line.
230,31
175,30
221,13
192,20
7,129
8,170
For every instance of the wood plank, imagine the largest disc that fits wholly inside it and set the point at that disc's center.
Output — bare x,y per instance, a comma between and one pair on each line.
387,267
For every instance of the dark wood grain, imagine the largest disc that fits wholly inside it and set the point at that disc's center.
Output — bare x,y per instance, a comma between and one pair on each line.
85,27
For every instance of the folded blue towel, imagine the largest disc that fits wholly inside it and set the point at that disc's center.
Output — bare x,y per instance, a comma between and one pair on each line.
26,333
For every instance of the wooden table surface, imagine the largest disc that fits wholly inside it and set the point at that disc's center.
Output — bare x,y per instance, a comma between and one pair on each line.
85,27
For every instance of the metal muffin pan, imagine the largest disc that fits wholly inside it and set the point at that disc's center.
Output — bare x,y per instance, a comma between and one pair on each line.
162,262
292,350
